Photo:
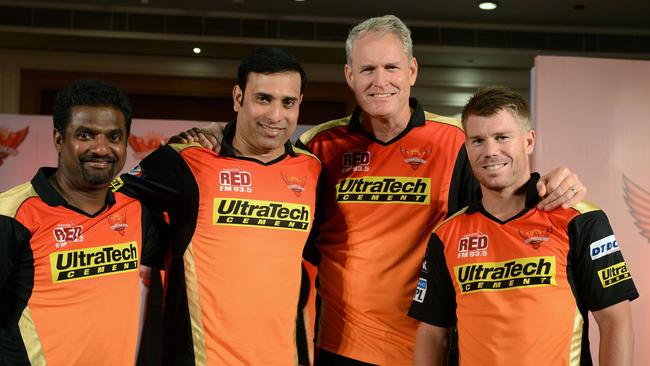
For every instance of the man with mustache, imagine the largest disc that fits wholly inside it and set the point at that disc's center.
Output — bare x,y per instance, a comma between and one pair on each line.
74,256
518,282
239,222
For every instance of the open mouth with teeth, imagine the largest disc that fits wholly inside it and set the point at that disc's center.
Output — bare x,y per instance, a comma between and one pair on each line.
382,95
494,167
270,130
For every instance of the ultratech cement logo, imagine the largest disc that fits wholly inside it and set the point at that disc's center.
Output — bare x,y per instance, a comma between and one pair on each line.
516,273
86,263
614,274
414,190
235,180
269,214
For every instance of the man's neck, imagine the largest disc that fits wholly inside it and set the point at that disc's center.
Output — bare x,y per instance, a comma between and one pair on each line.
242,149
385,129
504,204
89,201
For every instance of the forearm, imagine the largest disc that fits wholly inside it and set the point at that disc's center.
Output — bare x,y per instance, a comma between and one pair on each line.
616,346
431,346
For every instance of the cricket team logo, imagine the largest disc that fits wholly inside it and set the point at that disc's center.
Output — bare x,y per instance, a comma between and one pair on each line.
117,222
638,200
536,236
9,142
414,157
295,184
67,233
143,145
235,180
356,161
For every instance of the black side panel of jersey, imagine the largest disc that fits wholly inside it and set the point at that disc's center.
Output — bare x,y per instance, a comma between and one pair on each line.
438,304
151,342
155,238
16,284
310,251
464,188
166,183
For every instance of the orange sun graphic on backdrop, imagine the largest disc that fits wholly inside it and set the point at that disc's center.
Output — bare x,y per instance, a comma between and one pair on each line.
638,200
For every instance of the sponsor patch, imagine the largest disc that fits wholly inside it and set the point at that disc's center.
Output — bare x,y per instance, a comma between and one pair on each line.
413,190
65,234
614,274
268,214
421,290
603,247
116,184
414,157
515,273
356,161
473,245
86,263
235,180
425,266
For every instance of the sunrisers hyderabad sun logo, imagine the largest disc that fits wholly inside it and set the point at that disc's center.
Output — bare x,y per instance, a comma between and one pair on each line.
414,157
142,146
295,184
117,222
638,200
536,236
9,141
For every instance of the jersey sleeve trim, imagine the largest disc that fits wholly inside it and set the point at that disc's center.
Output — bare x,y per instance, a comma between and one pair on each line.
311,133
14,198
305,152
181,147
432,117
462,211
585,206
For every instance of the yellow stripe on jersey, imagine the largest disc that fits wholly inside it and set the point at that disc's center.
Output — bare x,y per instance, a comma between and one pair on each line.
442,119
13,198
585,206
576,340
194,305
181,147
31,339
309,134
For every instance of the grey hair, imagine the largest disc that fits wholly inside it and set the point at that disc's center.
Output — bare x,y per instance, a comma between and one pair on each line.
385,24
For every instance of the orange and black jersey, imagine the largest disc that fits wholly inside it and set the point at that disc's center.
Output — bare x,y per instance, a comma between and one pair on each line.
519,290
378,204
238,228
69,281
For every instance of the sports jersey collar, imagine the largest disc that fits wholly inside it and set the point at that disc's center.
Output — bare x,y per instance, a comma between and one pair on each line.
532,198
229,151
49,195
416,120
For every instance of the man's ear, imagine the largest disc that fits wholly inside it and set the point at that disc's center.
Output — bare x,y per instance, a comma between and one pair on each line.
58,140
347,71
237,98
530,142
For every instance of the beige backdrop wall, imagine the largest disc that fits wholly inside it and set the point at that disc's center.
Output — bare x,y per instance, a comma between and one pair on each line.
593,115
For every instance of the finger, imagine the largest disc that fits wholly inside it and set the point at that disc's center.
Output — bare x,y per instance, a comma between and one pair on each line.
579,195
213,140
204,141
569,192
177,139
541,188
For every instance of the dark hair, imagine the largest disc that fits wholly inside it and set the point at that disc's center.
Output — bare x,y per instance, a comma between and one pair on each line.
89,93
269,60
489,100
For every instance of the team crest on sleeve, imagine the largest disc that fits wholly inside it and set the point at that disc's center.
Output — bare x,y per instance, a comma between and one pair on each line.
356,161
136,171
473,245
295,184
235,180
65,234
603,247
117,222
415,157
421,290
536,236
